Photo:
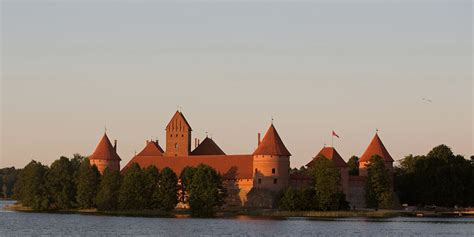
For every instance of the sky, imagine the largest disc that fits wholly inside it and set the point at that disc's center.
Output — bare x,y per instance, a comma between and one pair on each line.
70,68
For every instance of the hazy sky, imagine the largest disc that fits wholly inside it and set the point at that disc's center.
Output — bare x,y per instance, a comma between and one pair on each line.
70,68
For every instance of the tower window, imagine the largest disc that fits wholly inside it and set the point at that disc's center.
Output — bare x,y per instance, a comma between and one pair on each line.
273,170
176,145
256,170
259,181
182,135
275,181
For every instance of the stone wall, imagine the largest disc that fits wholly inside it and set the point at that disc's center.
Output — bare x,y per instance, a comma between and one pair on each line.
356,195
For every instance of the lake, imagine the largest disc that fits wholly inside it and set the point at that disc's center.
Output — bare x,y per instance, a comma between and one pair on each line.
45,224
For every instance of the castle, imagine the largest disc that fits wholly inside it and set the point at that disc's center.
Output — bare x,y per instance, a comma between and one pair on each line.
267,168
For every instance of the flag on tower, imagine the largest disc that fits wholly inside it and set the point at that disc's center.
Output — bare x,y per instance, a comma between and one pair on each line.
334,134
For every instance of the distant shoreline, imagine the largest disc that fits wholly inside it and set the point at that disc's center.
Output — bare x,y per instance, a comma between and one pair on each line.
254,213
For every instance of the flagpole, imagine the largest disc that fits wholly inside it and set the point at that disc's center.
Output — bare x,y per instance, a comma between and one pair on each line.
332,140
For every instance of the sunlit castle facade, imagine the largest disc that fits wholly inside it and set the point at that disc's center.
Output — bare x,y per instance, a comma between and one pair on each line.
266,170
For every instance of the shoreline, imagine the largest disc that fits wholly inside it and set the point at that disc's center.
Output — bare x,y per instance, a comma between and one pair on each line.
254,213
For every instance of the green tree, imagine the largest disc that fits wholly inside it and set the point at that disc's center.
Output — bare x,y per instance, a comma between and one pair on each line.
438,178
206,192
88,182
130,194
186,176
353,164
327,181
290,200
61,183
404,179
167,190
151,177
30,189
8,177
298,199
107,197
378,189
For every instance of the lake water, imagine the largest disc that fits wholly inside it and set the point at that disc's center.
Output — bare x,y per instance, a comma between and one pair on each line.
35,224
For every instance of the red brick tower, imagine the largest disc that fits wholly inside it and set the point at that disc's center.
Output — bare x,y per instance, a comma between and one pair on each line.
376,147
105,155
178,136
271,162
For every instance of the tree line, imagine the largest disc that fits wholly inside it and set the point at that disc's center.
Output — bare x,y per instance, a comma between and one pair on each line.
438,178
75,184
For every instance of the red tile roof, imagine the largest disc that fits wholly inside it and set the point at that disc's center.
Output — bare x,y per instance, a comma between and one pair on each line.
376,147
104,150
230,166
331,154
152,148
272,144
178,117
207,147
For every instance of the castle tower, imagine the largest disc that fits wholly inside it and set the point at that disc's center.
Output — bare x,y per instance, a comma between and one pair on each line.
271,162
178,136
376,147
105,155
331,154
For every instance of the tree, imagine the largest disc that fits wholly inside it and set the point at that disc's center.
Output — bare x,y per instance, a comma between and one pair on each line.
294,199
327,181
107,197
353,164
290,200
8,177
206,192
186,176
88,182
151,177
378,189
130,194
167,190
30,190
439,178
61,183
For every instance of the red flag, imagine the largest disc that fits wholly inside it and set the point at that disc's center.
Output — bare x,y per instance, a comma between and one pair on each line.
334,134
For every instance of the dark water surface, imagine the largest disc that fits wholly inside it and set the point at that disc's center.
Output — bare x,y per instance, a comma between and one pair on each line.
35,224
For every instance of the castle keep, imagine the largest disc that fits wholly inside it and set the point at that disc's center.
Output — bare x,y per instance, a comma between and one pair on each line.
266,169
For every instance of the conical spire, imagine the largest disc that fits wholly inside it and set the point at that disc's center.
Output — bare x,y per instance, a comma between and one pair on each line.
376,147
152,148
104,150
331,154
272,144
207,147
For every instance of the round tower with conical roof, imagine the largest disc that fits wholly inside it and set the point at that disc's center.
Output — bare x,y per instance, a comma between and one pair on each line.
376,147
271,162
105,155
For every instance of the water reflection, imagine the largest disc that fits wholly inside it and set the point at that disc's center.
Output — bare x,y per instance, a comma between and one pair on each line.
50,224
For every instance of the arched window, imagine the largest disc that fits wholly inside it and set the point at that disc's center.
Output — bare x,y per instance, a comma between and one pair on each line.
176,145
273,171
